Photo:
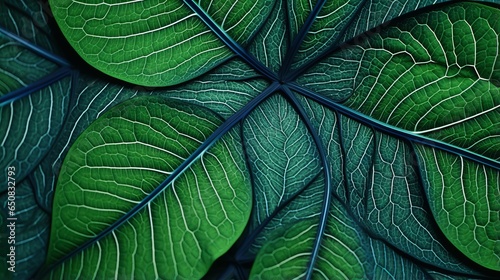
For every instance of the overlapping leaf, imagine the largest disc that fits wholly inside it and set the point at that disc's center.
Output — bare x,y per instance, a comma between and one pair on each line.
382,187
465,199
224,90
124,156
32,228
380,154
155,43
35,93
411,77
29,125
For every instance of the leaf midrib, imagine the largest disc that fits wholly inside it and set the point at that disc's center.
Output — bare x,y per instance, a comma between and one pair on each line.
60,73
392,130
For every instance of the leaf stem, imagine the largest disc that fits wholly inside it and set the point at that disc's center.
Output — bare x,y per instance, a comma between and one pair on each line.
34,48
228,41
297,41
327,195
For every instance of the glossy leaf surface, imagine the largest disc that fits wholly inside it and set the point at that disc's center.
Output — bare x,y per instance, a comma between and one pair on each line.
291,139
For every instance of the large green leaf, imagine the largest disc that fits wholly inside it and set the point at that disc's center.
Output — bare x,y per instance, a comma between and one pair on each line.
155,43
451,94
116,165
466,203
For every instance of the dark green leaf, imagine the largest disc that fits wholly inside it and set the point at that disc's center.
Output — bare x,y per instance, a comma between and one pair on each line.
29,125
32,228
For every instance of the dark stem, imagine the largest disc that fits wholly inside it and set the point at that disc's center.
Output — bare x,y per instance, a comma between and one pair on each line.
392,130
228,41
334,46
297,41
38,85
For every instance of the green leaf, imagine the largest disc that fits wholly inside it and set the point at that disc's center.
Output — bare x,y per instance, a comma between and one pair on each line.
224,90
377,14
155,43
382,188
91,99
279,147
415,65
117,163
412,78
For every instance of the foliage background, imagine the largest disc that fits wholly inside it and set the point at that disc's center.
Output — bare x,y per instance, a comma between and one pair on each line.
51,96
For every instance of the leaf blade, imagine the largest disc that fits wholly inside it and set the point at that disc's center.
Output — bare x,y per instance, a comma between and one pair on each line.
155,43
216,169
